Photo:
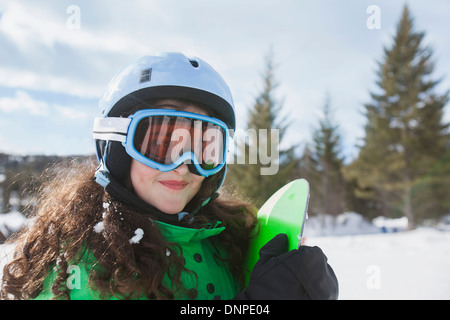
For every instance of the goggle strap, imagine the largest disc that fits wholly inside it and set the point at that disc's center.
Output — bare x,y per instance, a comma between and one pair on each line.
113,129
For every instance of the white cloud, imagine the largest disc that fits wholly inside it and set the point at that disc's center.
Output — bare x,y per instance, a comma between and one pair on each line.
22,102
51,57
25,79
27,25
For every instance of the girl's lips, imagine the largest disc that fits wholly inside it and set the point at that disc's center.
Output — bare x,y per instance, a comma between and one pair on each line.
174,184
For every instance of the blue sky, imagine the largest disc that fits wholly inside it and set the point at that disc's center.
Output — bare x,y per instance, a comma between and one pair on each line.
54,68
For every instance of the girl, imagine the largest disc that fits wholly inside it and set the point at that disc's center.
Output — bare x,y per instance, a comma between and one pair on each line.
150,225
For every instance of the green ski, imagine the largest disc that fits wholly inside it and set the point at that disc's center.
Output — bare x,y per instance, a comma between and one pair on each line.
284,212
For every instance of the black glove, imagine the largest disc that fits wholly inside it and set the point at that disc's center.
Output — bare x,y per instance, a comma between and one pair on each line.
301,274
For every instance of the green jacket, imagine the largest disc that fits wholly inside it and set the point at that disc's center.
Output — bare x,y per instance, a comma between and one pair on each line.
214,279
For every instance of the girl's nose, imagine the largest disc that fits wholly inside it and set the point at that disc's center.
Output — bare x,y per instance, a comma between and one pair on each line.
182,169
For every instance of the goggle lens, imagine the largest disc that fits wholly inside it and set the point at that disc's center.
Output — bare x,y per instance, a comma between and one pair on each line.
165,139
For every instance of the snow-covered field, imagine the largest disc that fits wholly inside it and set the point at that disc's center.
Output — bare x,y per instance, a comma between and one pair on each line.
405,265
374,265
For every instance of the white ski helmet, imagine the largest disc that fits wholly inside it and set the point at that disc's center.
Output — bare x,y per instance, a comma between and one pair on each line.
166,75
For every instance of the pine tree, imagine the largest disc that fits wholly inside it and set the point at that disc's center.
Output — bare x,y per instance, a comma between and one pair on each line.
327,149
321,165
405,134
265,167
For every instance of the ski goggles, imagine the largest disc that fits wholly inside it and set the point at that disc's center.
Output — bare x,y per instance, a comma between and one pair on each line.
164,139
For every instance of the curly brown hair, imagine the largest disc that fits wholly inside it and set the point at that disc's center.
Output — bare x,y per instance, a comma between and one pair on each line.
71,203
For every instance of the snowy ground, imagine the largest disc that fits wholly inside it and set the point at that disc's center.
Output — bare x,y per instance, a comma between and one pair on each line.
394,265
405,265
372,265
